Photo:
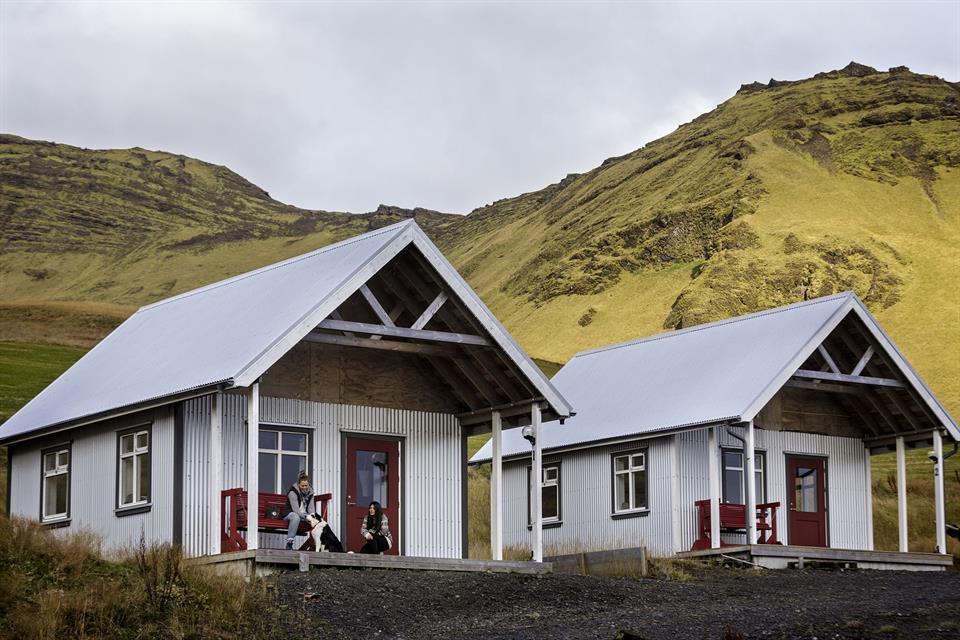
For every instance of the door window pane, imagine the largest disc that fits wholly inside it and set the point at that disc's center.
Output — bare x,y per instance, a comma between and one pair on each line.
294,442
268,473
371,477
805,483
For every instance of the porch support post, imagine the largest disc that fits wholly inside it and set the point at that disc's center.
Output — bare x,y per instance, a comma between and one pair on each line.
714,471
751,484
940,510
215,472
868,473
536,482
253,467
902,494
496,488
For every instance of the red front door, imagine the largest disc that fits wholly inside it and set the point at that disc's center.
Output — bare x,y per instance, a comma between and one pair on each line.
373,474
807,491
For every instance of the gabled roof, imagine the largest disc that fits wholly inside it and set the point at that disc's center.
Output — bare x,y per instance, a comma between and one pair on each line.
724,371
230,332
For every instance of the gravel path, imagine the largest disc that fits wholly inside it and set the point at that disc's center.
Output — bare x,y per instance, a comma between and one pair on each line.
728,605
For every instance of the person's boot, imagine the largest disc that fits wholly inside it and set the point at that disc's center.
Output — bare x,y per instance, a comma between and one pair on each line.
289,544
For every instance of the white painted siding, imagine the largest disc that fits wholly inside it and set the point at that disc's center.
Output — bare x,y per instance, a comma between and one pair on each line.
431,484
93,480
587,503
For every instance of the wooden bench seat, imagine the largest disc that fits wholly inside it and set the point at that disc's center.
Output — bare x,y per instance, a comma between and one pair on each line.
733,519
233,503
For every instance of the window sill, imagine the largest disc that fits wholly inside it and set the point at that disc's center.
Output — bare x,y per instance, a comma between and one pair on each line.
640,513
56,524
131,511
553,524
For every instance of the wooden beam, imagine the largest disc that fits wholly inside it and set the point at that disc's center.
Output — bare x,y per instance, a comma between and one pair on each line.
477,380
713,469
880,409
843,377
402,332
939,508
868,480
904,410
418,348
215,473
902,495
822,386
496,488
430,311
378,309
508,410
826,357
864,361
536,482
253,465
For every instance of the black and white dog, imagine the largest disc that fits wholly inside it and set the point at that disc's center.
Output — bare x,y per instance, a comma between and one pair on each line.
324,539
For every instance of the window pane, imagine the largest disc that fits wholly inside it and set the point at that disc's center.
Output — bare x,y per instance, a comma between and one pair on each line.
126,479
732,459
622,487
636,460
621,463
143,440
805,486
371,477
268,473
758,487
639,489
550,474
144,480
61,493
126,443
268,439
50,462
294,442
63,459
55,495
733,486
551,502
290,468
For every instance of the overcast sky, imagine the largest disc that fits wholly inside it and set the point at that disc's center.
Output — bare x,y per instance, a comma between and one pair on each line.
448,106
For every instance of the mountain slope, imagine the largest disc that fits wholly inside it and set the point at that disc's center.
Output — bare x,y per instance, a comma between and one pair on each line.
788,190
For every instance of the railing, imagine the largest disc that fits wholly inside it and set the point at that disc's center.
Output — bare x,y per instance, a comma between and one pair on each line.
233,507
733,519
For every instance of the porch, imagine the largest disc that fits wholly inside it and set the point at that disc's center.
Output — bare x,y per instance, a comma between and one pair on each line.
775,556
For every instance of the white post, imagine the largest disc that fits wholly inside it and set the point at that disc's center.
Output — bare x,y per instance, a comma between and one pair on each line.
253,466
536,483
868,472
751,484
941,517
675,497
215,473
902,494
496,488
714,470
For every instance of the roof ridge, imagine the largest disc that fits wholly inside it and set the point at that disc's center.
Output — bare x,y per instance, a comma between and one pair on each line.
276,265
717,323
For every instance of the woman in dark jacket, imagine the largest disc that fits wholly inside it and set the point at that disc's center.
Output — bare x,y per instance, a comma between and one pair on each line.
301,504
375,530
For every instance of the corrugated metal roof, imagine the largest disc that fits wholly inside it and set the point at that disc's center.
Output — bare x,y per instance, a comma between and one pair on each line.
724,370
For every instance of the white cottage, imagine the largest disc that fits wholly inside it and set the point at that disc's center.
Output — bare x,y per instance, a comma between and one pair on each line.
668,427
366,363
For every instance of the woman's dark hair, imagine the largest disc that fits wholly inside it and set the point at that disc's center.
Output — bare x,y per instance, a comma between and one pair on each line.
374,521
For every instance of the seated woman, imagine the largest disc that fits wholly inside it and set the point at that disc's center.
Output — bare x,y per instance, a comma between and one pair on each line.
375,530
301,503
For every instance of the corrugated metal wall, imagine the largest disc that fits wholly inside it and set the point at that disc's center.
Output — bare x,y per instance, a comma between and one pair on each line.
586,503
93,481
432,465
846,480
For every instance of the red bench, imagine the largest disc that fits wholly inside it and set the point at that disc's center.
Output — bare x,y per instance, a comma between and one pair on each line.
233,507
733,519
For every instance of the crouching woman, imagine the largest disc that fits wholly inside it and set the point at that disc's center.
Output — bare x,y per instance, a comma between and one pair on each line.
375,530
301,503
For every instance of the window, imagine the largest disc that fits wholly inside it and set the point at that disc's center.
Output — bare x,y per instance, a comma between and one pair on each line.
549,494
133,468
283,455
630,482
733,471
55,487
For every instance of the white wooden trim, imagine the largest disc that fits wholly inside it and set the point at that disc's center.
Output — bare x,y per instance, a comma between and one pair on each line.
535,484
675,495
902,494
496,488
714,471
868,473
253,465
750,482
940,508
215,471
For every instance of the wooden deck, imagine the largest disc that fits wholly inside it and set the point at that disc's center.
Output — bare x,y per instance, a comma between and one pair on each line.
773,556
262,562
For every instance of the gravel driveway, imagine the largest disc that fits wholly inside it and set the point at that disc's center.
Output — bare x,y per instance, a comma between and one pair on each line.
727,605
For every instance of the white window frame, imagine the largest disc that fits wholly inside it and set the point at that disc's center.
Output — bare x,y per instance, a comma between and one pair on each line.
58,470
545,483
760,468
137,453
629,472
278,453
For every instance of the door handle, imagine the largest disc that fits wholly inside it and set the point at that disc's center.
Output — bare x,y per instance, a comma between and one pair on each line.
351,504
